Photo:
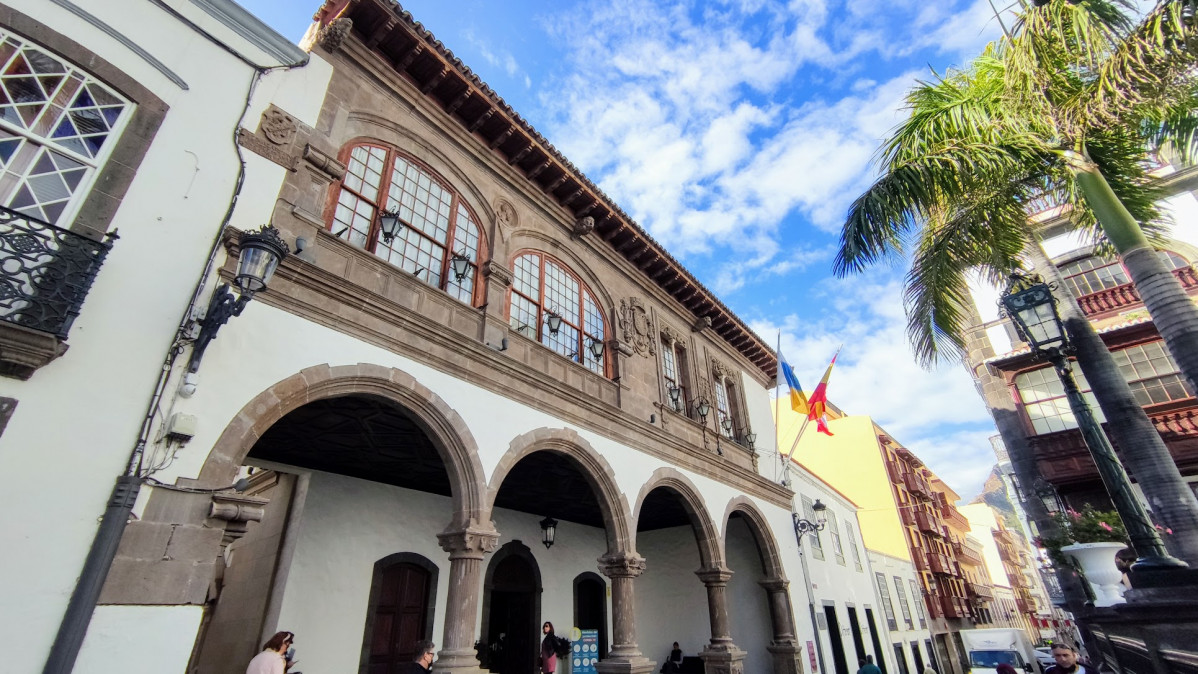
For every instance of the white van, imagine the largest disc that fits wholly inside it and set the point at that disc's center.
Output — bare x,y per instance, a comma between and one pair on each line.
990,648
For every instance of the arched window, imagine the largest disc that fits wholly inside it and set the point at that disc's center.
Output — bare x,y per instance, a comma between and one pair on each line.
543,287
1091,274
436,225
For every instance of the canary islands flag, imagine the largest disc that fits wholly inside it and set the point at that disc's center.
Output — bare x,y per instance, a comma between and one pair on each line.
819,400
798,399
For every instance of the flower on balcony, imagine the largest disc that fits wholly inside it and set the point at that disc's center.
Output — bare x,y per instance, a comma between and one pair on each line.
1164,529
1087,526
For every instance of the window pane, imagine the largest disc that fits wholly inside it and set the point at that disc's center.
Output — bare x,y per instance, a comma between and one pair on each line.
526,278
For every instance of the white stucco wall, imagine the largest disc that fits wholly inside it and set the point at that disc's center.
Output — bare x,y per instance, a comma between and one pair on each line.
748,607
167,222
136,640
904,569
671,601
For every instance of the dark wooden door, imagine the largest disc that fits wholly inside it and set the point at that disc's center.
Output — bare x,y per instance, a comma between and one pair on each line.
399,617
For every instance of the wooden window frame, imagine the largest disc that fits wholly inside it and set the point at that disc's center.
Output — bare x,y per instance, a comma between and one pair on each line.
382,201
582,355
677,354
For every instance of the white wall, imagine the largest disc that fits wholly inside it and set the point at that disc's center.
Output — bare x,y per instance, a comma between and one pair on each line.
748,603
135,640
671,601
167,222
891,567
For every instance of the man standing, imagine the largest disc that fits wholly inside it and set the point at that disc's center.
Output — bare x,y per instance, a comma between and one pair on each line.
868,666
422,662
1065,656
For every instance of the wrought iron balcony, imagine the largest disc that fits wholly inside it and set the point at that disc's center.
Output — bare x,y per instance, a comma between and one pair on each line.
45,272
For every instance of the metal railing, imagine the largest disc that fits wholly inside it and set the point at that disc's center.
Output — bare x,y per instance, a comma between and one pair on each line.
45,272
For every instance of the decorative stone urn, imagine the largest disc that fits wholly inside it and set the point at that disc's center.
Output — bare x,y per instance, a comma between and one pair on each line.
1098,564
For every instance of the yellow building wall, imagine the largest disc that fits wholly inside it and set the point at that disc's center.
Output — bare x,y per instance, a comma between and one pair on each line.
851,461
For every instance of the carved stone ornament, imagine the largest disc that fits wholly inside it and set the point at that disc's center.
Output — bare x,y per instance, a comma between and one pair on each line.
701,322
472,542
670,334
278,127
584,226
497,273
324,163
636,327
720,370
332,35
622,565
505,218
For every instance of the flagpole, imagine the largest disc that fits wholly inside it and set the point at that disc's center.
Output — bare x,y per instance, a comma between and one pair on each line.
777,400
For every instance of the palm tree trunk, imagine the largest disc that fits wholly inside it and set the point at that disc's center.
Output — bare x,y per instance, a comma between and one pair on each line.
1172,310
1144,453
1023,458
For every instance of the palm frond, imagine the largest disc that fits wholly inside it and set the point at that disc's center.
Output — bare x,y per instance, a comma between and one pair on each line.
1173,131
986,234
1142,76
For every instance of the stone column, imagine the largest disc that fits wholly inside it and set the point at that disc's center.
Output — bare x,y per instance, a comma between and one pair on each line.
466,547
785,644
721,656
625,656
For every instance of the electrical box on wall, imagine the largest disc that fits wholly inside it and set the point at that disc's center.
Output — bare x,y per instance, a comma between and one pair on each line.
181,427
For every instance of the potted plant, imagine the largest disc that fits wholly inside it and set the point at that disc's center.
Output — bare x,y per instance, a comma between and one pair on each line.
1091,538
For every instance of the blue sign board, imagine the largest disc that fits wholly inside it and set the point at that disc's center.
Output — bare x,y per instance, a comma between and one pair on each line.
584,652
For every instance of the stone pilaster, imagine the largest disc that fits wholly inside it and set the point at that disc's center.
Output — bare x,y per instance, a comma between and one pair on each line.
466,547
784,646
721,656
625,656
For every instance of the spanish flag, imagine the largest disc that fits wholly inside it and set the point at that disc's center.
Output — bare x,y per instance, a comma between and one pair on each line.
818,404
798,399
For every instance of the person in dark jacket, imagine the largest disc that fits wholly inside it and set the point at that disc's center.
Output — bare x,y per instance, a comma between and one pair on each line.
868,666
1066,656
548,649
422,660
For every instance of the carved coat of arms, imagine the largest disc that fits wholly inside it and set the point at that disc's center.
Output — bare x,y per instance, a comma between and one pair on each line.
278,127
636,327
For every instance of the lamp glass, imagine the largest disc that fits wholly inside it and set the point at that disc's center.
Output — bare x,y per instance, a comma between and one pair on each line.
461,266
703,407
597,348
675,394
390,224
261,253
1036,317
750,437
548,531
554,321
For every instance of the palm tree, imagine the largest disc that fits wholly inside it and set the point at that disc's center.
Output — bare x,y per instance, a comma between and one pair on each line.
1067,106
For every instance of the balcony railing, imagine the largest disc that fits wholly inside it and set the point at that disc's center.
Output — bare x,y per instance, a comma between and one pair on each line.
926,524
45,272
1126,295
938,564
954,607
981,591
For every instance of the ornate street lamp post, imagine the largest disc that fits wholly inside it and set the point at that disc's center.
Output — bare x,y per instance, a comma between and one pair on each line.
1029,302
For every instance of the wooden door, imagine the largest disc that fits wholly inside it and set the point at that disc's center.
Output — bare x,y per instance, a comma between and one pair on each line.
399,617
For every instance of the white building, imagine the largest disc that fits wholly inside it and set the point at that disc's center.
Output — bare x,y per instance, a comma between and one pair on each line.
155,93
906,618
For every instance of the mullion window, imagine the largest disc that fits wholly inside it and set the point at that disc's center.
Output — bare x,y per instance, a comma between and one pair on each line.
723,409
542,286
433,218
1152,374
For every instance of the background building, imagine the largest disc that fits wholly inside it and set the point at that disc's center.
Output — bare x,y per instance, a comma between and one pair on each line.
900,516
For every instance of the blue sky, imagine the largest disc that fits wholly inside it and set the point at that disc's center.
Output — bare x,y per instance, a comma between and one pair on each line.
737,132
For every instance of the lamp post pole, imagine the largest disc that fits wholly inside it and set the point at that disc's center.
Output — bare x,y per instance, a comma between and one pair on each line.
804,527
1031,305
1144,537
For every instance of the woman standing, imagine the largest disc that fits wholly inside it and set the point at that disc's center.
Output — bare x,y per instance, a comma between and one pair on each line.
548,649
273,658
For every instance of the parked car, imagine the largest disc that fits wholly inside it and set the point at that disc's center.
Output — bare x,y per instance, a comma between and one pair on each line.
1044,657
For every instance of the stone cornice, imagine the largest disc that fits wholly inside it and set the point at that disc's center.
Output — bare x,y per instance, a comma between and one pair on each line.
305,290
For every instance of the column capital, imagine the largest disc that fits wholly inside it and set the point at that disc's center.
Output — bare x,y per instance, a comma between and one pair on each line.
622,565
774,584
470,542
717,576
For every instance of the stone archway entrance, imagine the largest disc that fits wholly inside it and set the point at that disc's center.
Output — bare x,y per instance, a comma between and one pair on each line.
355,480
511,610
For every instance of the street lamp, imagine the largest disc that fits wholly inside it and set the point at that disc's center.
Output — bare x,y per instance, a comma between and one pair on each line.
389,225
554,321
806,526
1029,302
548,531
261,253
